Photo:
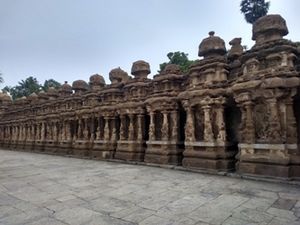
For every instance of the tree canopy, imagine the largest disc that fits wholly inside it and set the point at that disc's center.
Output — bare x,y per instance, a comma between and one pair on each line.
1,78
254,9
50,83
178,58
28,86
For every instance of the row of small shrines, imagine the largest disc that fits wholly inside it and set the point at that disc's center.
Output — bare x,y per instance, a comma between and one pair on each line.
128,137
237,111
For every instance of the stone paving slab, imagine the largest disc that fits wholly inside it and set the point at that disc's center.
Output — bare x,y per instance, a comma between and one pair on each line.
38,189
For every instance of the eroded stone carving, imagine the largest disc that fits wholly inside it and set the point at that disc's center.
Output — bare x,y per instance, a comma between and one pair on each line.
237,111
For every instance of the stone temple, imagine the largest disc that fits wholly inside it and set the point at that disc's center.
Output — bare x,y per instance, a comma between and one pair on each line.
234,110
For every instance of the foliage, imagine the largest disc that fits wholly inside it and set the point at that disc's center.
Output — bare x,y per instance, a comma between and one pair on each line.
254,9
178,58
28,86
1,78
297,43
50,83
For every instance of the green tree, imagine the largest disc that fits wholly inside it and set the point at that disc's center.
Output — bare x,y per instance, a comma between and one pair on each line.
178,58
1,78
254,9
24,88
51,83
28,86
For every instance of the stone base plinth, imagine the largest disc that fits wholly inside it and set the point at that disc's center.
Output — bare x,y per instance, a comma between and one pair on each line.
6,144
103,149
51,146
163,152
81,148
130,151
39,146
209,155
65,148
29,146
273,160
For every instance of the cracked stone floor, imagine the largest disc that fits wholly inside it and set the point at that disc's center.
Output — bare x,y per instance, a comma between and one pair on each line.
44,189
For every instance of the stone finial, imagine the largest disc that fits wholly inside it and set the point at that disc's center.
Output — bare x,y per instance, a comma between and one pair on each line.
43,96
65,89
33,97
118,75
269,28
80,86
171,69
97,82
52,93
236,48
5,98
212,46
140,69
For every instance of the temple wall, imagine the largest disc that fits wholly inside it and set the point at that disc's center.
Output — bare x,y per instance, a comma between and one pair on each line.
233,111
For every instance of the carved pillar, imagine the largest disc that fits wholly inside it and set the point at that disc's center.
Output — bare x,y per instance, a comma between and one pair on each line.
189,126
92,128
122,127
37,134
221,124
174,132
165,127
249,129
63,134
274,132
43,132
98,131
291,125
12,133
79,131
68,130
106,128
208,133
140,127
114,129
54,136
85,130
25,132
131,127
152,127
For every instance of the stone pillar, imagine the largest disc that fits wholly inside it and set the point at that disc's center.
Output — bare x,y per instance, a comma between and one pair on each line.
25,132
131,127
274,132
43,132
249,129
79,131
37,134
208,133
63,135
54,136
92,129
98,131
152,127
189,126
165,127
68,130
291,125
114,129
85,130
174,131
221,124
106,128
122,127
140,127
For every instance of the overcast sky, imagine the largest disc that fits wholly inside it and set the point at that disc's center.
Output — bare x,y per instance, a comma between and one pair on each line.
73,39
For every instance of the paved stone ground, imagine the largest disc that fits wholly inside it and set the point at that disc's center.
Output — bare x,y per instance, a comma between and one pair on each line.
43,189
